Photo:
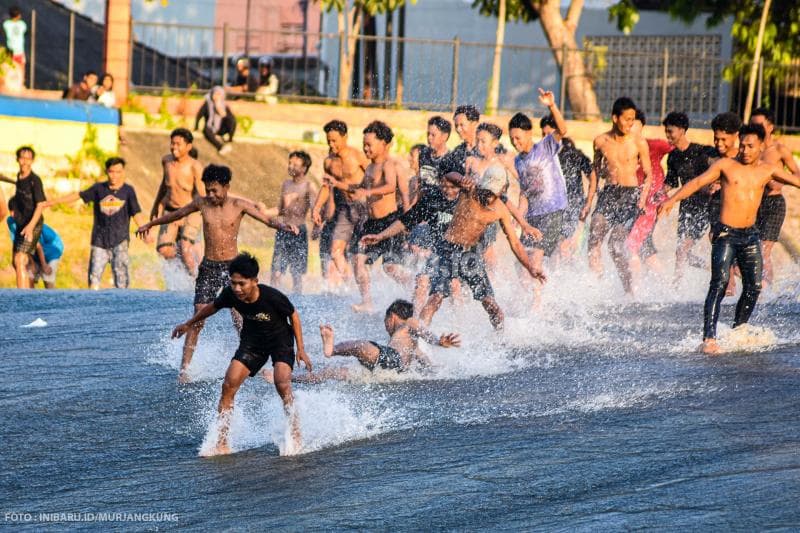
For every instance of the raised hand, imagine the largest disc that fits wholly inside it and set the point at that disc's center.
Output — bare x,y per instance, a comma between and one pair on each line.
546,98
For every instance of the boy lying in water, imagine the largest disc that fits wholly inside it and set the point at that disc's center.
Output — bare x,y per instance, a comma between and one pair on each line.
401,352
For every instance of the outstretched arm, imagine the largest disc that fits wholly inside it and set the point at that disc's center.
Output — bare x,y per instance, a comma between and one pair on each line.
518,215
446,340
779,174
519,251
547,99
201,314
396,228
297,330
706,178
68,199
172,216
250,208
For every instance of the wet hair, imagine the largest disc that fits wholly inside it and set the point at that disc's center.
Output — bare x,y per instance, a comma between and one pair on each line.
641,117
677,119
567,142
335,125
217,174
485,196
493,129
469,111
185,134
193,153
753,129
90,73
14,12
25,149
520,121
549,121
12,203
441,124
727,122
111,161
402,308
245,265
381,130
764,112
417,147
299,154
621,105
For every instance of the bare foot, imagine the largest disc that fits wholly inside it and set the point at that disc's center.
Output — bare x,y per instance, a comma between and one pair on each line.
730,290
326,332
183,377
221,448
268,375
710,347
363,307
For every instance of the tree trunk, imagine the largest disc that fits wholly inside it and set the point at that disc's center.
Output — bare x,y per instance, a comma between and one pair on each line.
370,57
493,94
347,50
401,51
580,91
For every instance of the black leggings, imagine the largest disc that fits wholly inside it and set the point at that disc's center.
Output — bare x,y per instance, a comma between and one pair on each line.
743,245
228,126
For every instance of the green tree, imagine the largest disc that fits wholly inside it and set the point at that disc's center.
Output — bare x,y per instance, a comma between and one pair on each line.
560,33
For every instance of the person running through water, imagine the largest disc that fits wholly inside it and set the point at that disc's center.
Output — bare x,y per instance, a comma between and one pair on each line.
222,215
734,235
181,184
271,329
617,155
344,168
685,162
458,253
772,212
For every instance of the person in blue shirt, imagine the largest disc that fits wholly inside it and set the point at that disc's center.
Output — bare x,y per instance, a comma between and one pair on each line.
48,254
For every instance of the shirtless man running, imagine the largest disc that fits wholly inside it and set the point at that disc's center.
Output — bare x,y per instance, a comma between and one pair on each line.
181,184
772,212
378,191
344,168
222,215
617,155
735,234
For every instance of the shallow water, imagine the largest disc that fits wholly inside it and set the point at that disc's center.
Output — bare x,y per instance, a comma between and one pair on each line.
592,414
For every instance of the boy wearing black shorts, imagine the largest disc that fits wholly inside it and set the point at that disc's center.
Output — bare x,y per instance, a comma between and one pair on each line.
271,326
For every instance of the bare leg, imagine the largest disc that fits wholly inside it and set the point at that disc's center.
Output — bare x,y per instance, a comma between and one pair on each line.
283,384
494,311
339,259
681,256
297,283
21,267
187,255
167,252
421,292
234,377
597,232
620,256
326,332
398,273
189,344
274,278
490,258
429,309
537,258
766,252
362,278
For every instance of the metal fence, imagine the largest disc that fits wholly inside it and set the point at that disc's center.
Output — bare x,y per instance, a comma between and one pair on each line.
412,73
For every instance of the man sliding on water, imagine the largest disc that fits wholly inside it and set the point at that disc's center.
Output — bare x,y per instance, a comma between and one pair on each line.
271,326
735,235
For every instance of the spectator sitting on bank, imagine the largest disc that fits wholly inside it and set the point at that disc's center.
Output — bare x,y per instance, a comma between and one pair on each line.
104,93
15,29
49,250
83,90
219,120
267,82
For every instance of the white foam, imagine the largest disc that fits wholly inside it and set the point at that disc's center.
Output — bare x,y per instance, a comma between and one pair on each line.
38,323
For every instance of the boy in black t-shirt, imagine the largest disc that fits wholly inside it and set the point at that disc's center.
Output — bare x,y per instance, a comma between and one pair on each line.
30,202
115,203
271,327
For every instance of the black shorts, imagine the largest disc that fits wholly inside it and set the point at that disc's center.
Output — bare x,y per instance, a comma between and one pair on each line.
24,246
572,216
456,262
692,219
212,277
551,226
421,236
619,205
326,239
771,214
255,359
389,249
388,358
291,251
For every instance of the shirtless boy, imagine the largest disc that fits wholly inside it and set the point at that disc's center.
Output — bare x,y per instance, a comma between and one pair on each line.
271,328
458,255
735,234
617,155
181,184
297,196
378,191
344,168
221,215
772,212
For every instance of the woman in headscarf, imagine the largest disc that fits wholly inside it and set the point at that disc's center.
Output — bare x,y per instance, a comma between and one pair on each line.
219,120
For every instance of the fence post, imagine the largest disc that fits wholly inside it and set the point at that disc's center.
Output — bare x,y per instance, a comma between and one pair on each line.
225,55
71,64
454,89
341,95
32,75
760,80
664,77
563,92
